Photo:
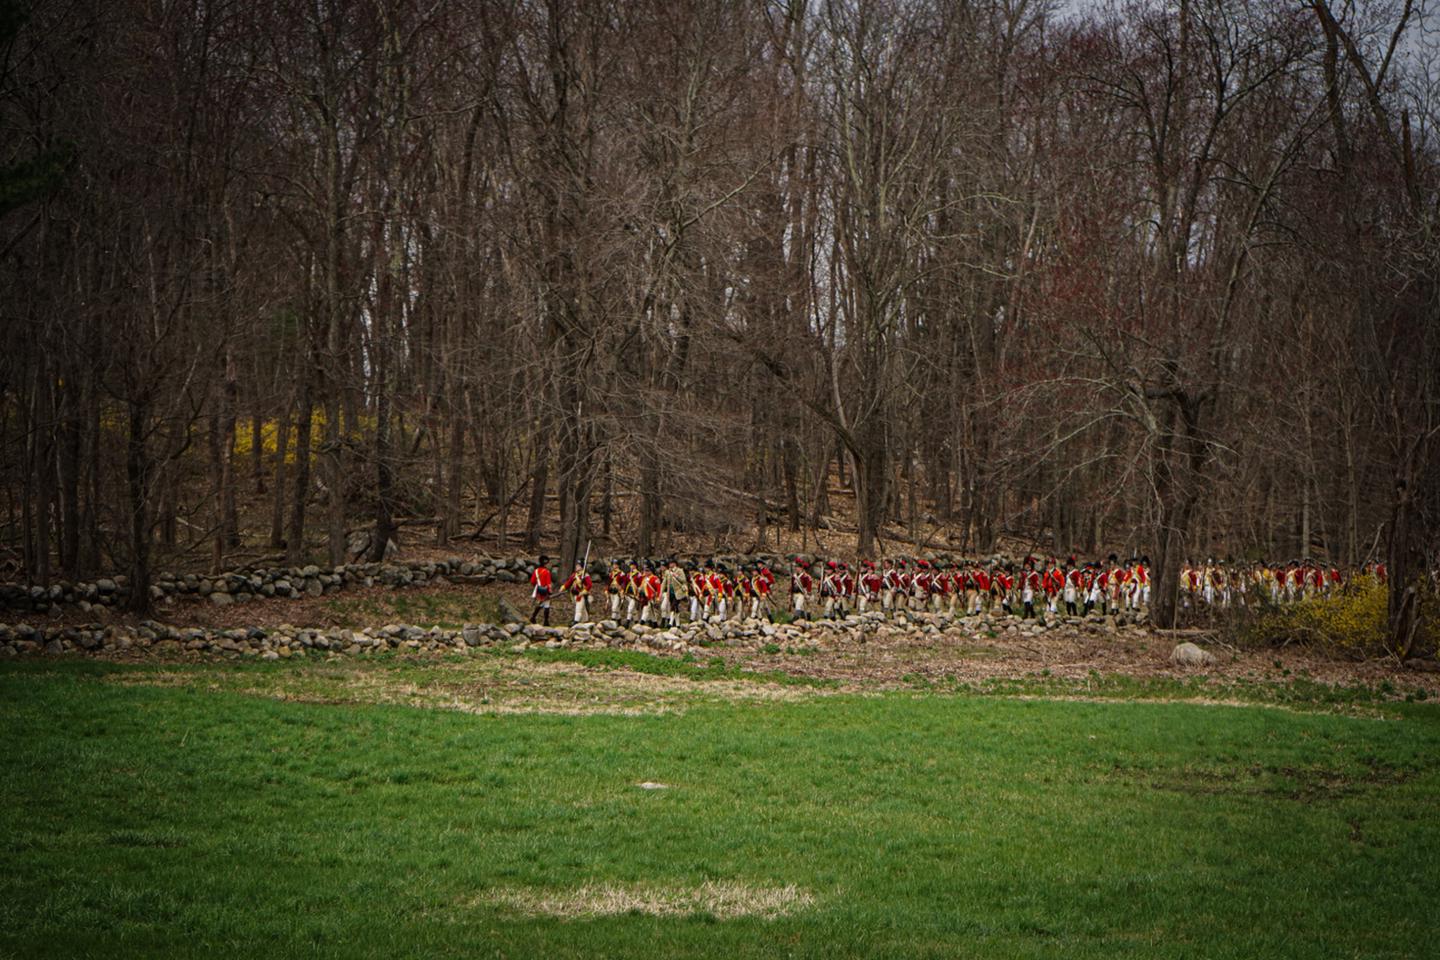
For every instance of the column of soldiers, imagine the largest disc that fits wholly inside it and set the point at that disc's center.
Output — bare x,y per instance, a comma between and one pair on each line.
901,588
665,593
1222,584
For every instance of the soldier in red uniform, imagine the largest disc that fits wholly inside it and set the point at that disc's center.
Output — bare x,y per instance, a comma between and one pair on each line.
698,586
801,583
1072,587
760,582
1003,583
615,589
844,589
871,583
650,594
578,585
920,586
1031,583
889,587
1054,582
719,591
742,592
634,593
540,587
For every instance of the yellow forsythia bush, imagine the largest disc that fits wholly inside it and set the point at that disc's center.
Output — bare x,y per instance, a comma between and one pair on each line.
270,436
1353,620
112,419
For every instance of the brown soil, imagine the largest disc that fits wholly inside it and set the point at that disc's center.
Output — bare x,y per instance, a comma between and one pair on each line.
911,657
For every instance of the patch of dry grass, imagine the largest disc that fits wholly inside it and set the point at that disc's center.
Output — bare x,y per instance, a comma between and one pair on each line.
723,900
489,685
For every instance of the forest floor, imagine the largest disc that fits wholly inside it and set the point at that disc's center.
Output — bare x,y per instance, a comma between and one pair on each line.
416,537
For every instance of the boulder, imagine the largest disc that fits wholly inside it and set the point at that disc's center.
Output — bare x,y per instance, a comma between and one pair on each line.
1189,655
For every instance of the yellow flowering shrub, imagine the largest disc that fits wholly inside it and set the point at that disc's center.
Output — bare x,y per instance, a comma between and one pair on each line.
270,436
1353,621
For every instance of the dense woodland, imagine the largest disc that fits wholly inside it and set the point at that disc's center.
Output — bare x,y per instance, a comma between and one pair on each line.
1152,277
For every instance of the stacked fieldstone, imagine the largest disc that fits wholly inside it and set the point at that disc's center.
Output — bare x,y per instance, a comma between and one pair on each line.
288,641
283,582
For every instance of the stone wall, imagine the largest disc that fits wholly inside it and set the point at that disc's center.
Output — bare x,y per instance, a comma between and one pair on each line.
283,582
288,641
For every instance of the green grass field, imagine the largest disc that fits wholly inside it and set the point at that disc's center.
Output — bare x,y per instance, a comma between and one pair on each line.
491,808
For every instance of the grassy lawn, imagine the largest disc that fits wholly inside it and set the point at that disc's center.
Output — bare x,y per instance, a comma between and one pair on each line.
327,810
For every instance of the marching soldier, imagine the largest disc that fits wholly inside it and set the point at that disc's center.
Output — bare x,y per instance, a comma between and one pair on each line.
1072,587
634,589
1029,582
984,590
845,596
742,592
871,583
801,583
718,584
615,589
920,586
540,584
650,595
697,590
759,593
578,585
827,589
673,587
889,587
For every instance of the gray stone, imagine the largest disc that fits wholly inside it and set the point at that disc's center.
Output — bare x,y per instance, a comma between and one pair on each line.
105,585
221,599
1189,655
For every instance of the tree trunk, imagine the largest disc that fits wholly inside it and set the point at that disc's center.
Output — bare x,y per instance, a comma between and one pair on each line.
650,505
384,475
282,447
139,471
535,523
257,450
295,541
450,520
